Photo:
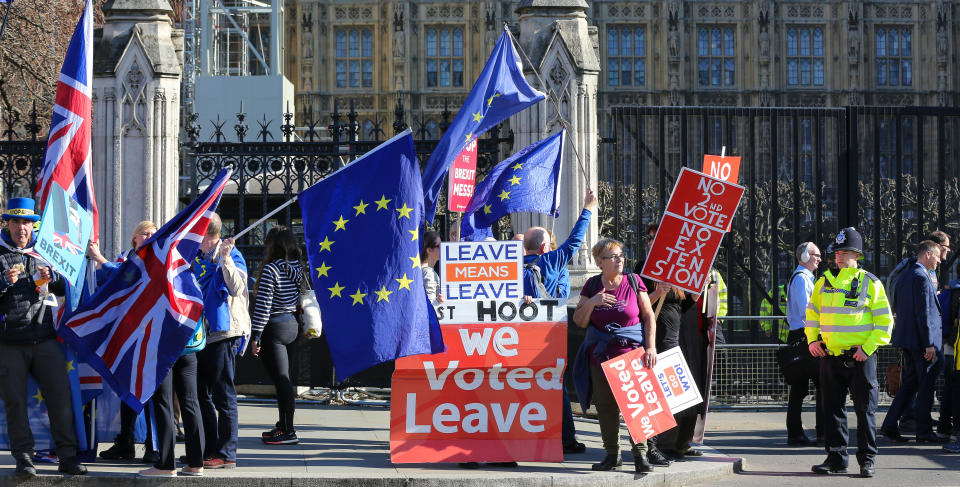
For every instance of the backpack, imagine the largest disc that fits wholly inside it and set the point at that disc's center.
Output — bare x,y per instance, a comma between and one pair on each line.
593,285
534,270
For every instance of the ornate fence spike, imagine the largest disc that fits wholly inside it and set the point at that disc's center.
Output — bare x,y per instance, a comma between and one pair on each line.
377,130
218,135
445,117
335,128
353,127
240,127
398,124
287,128
33,128
264,130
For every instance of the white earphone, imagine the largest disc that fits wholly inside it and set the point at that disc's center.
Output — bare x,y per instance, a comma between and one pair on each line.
805,255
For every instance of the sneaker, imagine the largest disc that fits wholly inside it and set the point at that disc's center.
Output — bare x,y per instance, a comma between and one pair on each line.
217,462
282,439
150,457
119,451
274,432
952,447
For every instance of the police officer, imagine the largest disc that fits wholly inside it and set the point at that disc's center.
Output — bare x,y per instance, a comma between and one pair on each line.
848,318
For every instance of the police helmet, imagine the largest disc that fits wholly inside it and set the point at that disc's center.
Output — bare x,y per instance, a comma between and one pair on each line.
848,239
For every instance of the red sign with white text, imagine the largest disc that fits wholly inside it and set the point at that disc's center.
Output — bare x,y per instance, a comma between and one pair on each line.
493,396
639,396
697,216
725,168
462,178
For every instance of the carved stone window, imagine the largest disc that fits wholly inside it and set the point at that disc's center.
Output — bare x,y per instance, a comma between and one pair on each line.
894,55
716,55
805,56
354,57
444,56
626,56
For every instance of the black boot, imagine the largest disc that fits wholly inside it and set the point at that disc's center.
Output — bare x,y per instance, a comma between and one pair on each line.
610,462
641,465
657,458
121,450
25,468
72,466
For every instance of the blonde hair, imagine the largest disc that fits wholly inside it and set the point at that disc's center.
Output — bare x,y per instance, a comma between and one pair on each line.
140,228
603,245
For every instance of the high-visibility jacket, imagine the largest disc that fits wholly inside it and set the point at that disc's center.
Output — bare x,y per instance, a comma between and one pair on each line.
766,309
849,309
721,293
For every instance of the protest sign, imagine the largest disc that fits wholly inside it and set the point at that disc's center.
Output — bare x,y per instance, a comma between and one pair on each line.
726,168
461,179
493,396
697,215
481,270
64,231
676,380
638,394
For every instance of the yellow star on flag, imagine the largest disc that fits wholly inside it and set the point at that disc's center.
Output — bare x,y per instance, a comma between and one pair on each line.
514,181
38,396
335,290
404,211
382,203
477,117
341,224
413,235
504,195
361,208
404,282
518,166
468,137
490,100
322,270
383,294
325,245
358,297
70,366
487,210
415,260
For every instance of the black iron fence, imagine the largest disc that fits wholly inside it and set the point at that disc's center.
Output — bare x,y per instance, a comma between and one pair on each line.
892,172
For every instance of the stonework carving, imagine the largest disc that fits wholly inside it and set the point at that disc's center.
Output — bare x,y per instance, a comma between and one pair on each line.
306,36
398,36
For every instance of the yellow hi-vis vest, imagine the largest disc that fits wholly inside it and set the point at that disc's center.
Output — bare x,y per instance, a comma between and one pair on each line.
846,316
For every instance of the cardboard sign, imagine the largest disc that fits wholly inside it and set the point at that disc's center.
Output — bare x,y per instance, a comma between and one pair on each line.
676,380
725,168
481,270
462,178
698,214
638,394
493,396
64,231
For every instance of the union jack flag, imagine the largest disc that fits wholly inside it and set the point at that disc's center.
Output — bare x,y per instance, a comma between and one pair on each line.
63,241
136,325
67,159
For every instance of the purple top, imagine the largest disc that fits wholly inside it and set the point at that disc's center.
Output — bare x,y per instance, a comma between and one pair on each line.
625,313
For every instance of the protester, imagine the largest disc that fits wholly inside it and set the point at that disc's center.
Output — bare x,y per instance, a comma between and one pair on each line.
848,318
563,280
29,346
615,310
919,336
124,444
800,286
274,325
949,423
222,274
431,255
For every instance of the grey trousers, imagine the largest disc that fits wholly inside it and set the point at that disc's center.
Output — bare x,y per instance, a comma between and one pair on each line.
46,363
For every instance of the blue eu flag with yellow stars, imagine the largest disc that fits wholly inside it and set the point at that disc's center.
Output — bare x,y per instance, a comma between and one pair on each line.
362,230
500,91
526,181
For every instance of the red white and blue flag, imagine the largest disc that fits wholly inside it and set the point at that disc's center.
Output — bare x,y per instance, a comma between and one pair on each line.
67,159
136,325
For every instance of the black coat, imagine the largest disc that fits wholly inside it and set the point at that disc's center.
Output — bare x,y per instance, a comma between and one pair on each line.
20,303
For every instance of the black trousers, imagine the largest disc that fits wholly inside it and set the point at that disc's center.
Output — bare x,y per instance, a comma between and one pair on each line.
918,377
800,391
839,375
182,378
128,424
275,349
46,363
218,398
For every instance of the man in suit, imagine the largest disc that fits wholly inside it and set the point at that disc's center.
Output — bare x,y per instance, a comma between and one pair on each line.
918,334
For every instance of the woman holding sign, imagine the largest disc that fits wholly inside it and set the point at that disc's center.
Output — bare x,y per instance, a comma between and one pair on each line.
615,310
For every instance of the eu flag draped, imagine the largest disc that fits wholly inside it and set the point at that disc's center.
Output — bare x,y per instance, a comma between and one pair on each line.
500,91
136,325
67,159
526,181
361,225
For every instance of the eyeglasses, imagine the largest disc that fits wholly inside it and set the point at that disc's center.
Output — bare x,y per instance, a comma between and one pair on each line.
613,257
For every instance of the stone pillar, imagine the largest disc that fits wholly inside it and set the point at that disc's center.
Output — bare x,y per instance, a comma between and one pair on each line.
136,118
556,37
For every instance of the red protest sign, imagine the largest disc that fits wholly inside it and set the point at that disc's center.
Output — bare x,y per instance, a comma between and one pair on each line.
726,168
493,396
461,181
698,214
638,394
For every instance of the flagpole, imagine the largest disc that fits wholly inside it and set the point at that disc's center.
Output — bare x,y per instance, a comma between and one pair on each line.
268,215
4,24
553,98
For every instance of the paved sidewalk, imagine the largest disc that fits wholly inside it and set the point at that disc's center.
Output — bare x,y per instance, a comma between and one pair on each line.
349,445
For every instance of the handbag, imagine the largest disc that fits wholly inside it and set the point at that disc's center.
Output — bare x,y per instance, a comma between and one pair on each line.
795,362
893,372
308,311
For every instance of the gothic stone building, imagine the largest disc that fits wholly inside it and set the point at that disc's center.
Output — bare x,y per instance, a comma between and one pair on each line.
806,53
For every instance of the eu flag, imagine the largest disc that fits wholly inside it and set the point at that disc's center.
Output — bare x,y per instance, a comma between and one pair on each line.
500,91
526,181
361,225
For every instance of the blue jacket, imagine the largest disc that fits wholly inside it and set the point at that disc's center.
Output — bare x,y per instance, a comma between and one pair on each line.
600,340
552,263
918,323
